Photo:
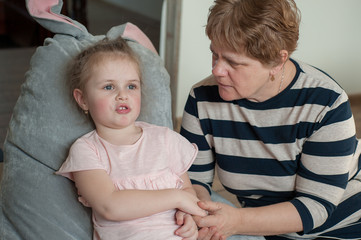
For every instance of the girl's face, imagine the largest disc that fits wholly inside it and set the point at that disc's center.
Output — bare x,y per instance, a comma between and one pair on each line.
112,93
239,76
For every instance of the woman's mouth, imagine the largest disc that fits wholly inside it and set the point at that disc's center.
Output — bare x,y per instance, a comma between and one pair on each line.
223,85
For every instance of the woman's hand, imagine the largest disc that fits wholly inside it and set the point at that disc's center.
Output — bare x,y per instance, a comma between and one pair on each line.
220,223
209,233
188,229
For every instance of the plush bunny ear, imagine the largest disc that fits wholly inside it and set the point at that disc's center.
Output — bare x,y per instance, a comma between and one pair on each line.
35,203
47,14
131,32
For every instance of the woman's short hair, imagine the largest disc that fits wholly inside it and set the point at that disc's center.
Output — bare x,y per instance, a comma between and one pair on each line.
259,29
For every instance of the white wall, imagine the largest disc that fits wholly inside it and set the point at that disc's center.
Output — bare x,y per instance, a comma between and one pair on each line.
330,38
194,56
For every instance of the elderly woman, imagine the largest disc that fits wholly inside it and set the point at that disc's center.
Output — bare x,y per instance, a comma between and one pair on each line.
279,132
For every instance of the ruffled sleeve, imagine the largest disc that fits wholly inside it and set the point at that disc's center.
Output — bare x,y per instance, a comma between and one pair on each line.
182,153
83,155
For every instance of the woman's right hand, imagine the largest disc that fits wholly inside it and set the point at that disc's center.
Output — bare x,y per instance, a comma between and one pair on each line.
209,233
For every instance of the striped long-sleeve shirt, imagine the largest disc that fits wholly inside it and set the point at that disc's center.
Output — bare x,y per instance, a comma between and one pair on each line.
299,146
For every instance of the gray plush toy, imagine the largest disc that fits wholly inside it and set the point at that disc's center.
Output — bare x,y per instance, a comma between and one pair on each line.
35,203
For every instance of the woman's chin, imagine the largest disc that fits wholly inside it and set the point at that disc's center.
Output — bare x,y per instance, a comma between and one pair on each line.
226,96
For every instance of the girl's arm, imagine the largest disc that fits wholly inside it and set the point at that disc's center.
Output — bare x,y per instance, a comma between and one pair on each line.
202,192
188,228
187,185
96,187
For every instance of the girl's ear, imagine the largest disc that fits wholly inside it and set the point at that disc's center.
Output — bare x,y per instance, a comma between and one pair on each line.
80,99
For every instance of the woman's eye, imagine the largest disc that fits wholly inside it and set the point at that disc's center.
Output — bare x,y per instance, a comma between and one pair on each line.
108,87
214,56
233,64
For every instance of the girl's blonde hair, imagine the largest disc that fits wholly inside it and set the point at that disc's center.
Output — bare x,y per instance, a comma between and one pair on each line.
80,67
260,29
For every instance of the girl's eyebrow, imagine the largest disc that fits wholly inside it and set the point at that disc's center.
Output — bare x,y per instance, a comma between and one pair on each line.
134,80
103,80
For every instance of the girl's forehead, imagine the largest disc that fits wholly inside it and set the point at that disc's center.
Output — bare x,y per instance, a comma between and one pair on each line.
102,59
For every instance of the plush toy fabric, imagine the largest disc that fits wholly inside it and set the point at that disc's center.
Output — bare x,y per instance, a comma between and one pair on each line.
35,203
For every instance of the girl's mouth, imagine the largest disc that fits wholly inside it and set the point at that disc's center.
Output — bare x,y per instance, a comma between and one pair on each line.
123,109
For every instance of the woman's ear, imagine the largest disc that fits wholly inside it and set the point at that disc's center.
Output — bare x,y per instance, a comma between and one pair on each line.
80,99
284,58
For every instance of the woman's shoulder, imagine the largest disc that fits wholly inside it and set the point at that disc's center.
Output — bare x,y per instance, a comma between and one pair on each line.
208,81
206,90
313,77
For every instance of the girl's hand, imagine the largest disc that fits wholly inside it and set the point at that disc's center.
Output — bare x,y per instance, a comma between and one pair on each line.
188,229
188,203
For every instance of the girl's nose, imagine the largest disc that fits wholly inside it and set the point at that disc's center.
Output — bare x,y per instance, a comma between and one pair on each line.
218,68
122,95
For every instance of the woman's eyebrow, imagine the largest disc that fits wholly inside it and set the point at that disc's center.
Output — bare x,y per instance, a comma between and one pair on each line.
211,49
223,56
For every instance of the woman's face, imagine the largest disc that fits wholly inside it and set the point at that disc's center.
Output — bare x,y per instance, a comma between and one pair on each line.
239,76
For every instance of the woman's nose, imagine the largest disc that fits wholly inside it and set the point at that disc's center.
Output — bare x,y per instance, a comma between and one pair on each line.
218,68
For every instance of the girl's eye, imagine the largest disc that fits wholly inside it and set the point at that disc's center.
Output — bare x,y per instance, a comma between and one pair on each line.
108,87
132,87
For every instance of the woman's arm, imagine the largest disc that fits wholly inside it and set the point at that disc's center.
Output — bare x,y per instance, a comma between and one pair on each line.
96,187
269,220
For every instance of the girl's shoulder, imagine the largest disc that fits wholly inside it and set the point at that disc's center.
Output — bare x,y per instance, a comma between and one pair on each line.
155,131
148,127
89,139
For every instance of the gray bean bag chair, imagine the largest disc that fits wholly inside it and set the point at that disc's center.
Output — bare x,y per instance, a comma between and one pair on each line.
35,203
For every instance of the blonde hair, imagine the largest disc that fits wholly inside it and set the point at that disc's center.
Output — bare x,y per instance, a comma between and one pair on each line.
80,67
260,29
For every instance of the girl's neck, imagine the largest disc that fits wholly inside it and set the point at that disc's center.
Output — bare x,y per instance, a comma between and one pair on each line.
124,136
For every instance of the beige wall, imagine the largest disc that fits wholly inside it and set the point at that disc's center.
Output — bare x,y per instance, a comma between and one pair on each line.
330,39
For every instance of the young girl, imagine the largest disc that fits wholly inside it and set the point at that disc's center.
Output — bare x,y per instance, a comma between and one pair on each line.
132,174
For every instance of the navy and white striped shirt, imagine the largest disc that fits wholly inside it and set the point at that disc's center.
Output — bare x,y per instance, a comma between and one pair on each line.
298,146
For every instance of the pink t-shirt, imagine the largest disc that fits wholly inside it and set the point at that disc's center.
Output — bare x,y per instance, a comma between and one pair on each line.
155,161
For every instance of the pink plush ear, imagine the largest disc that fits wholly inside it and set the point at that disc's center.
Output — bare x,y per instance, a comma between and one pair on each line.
133,32
42,9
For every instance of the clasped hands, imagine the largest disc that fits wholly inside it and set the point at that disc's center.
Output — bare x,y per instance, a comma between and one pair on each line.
217,225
